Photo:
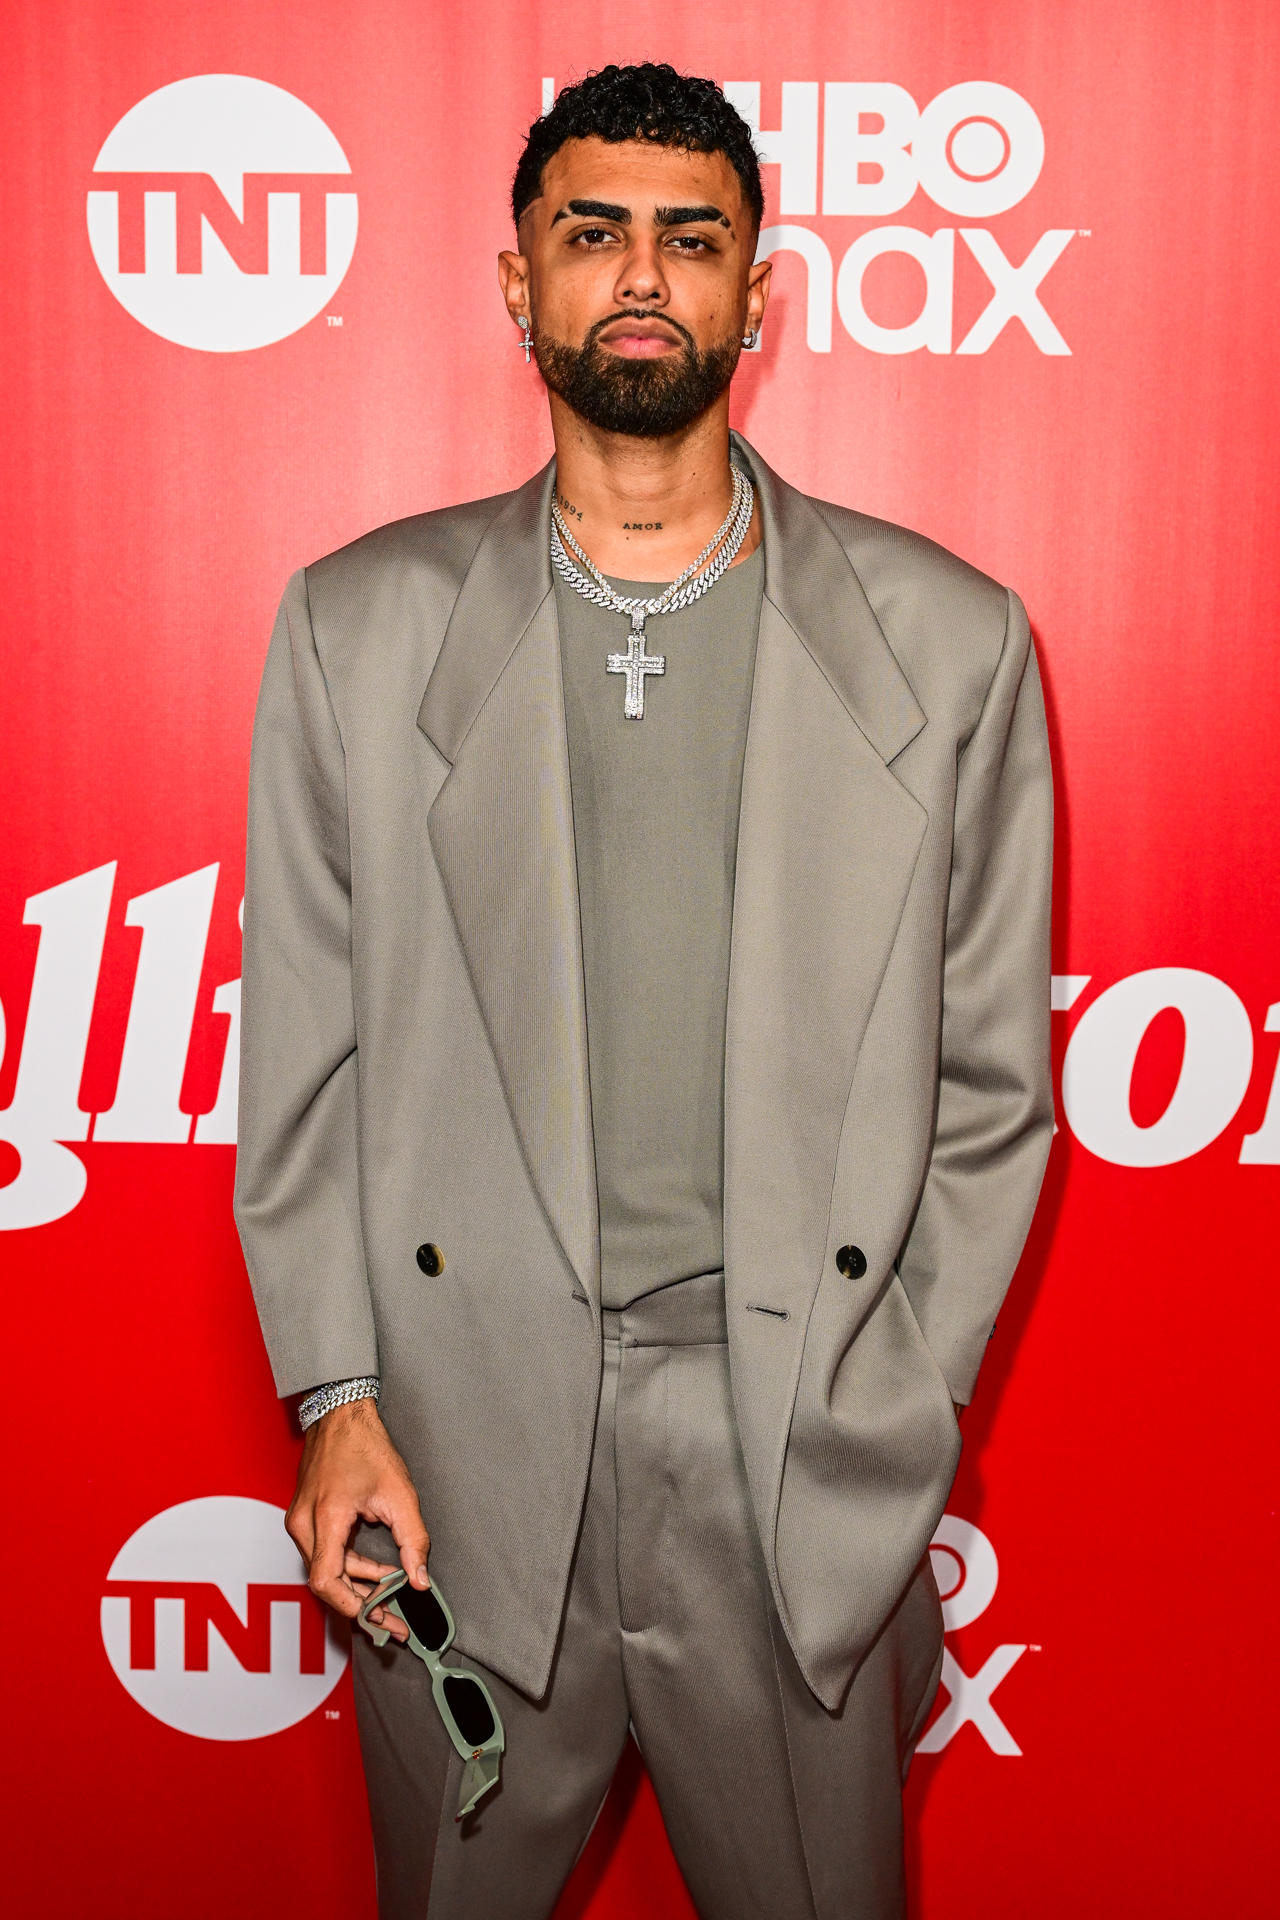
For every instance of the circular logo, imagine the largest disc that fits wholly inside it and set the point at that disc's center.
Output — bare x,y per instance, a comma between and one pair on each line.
209,1624
221,213
965,1568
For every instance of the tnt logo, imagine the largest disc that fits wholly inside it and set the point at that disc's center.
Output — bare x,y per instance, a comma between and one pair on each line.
965,1568
209,1624
221,214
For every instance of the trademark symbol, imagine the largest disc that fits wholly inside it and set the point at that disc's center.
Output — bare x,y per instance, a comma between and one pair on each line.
1030,1649
334,319
1084,233
333,1713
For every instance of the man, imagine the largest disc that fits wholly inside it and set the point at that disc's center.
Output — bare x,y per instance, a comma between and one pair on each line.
645,1087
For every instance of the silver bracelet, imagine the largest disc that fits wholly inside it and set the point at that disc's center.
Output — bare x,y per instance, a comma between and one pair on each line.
336,1393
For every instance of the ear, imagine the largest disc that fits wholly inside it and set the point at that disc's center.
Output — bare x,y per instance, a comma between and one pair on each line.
513,278
758,277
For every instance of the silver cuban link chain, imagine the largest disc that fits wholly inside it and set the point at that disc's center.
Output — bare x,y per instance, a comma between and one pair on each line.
635,663
336,1393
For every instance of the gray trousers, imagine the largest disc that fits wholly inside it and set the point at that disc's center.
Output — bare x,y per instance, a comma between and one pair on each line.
775,1808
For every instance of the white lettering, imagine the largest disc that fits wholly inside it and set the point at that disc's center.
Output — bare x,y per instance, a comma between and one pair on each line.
971,1700
847,148
932,326
1015,289
1098,1069
45,1113
817,259
175,922
979,149
965,1569
45,1109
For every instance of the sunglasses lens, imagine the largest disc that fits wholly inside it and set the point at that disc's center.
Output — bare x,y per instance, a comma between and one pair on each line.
425,1615
469,1708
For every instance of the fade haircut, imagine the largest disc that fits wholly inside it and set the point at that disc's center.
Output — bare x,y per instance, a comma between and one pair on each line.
650,101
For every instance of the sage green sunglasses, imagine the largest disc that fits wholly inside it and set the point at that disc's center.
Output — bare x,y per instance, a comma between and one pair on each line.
462,1699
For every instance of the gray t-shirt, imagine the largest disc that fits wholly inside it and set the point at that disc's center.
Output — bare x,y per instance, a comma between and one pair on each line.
655,816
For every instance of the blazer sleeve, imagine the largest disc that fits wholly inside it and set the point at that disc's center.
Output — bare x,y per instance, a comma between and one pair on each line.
296,1195
995,1116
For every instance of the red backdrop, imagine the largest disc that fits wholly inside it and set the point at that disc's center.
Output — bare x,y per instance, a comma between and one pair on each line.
194,407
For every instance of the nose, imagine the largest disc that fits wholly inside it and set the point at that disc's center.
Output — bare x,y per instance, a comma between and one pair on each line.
641,281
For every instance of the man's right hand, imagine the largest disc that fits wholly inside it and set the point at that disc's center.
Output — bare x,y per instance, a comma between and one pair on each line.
351,1470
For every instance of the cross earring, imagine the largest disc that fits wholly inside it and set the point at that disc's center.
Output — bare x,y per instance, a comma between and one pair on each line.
751,337
525,338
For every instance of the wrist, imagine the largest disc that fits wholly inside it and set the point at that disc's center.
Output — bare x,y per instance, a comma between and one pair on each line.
335,1396
351,1414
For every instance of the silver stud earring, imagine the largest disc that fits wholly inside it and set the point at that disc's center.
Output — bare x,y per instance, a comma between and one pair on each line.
751,337
526,340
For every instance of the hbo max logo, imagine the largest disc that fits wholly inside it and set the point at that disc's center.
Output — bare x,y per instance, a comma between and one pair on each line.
974,151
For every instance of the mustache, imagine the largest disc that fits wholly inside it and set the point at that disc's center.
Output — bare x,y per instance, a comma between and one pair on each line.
638,313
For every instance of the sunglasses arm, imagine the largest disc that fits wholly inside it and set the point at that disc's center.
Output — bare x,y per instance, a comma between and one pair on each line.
378,1635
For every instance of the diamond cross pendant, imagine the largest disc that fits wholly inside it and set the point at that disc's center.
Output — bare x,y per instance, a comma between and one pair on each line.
635,663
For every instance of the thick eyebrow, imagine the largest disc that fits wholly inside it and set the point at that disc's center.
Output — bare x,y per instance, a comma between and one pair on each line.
686,216
662,216
602,209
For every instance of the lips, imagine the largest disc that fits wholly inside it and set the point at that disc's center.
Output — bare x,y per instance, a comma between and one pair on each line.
638,339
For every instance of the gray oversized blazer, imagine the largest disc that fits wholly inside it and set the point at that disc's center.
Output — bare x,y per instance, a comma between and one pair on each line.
414,1062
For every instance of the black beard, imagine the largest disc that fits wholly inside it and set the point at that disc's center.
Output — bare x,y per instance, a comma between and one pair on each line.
647,398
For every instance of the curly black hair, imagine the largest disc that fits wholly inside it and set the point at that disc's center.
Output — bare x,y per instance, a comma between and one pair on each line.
649,101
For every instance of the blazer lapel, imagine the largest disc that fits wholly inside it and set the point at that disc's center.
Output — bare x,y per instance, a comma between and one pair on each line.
501,828
827,843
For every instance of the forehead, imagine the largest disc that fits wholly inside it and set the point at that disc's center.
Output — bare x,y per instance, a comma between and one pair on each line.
641,175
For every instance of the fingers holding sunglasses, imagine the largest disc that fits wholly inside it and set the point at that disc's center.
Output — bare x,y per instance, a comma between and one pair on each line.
385,1618
374,1572
327,1575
